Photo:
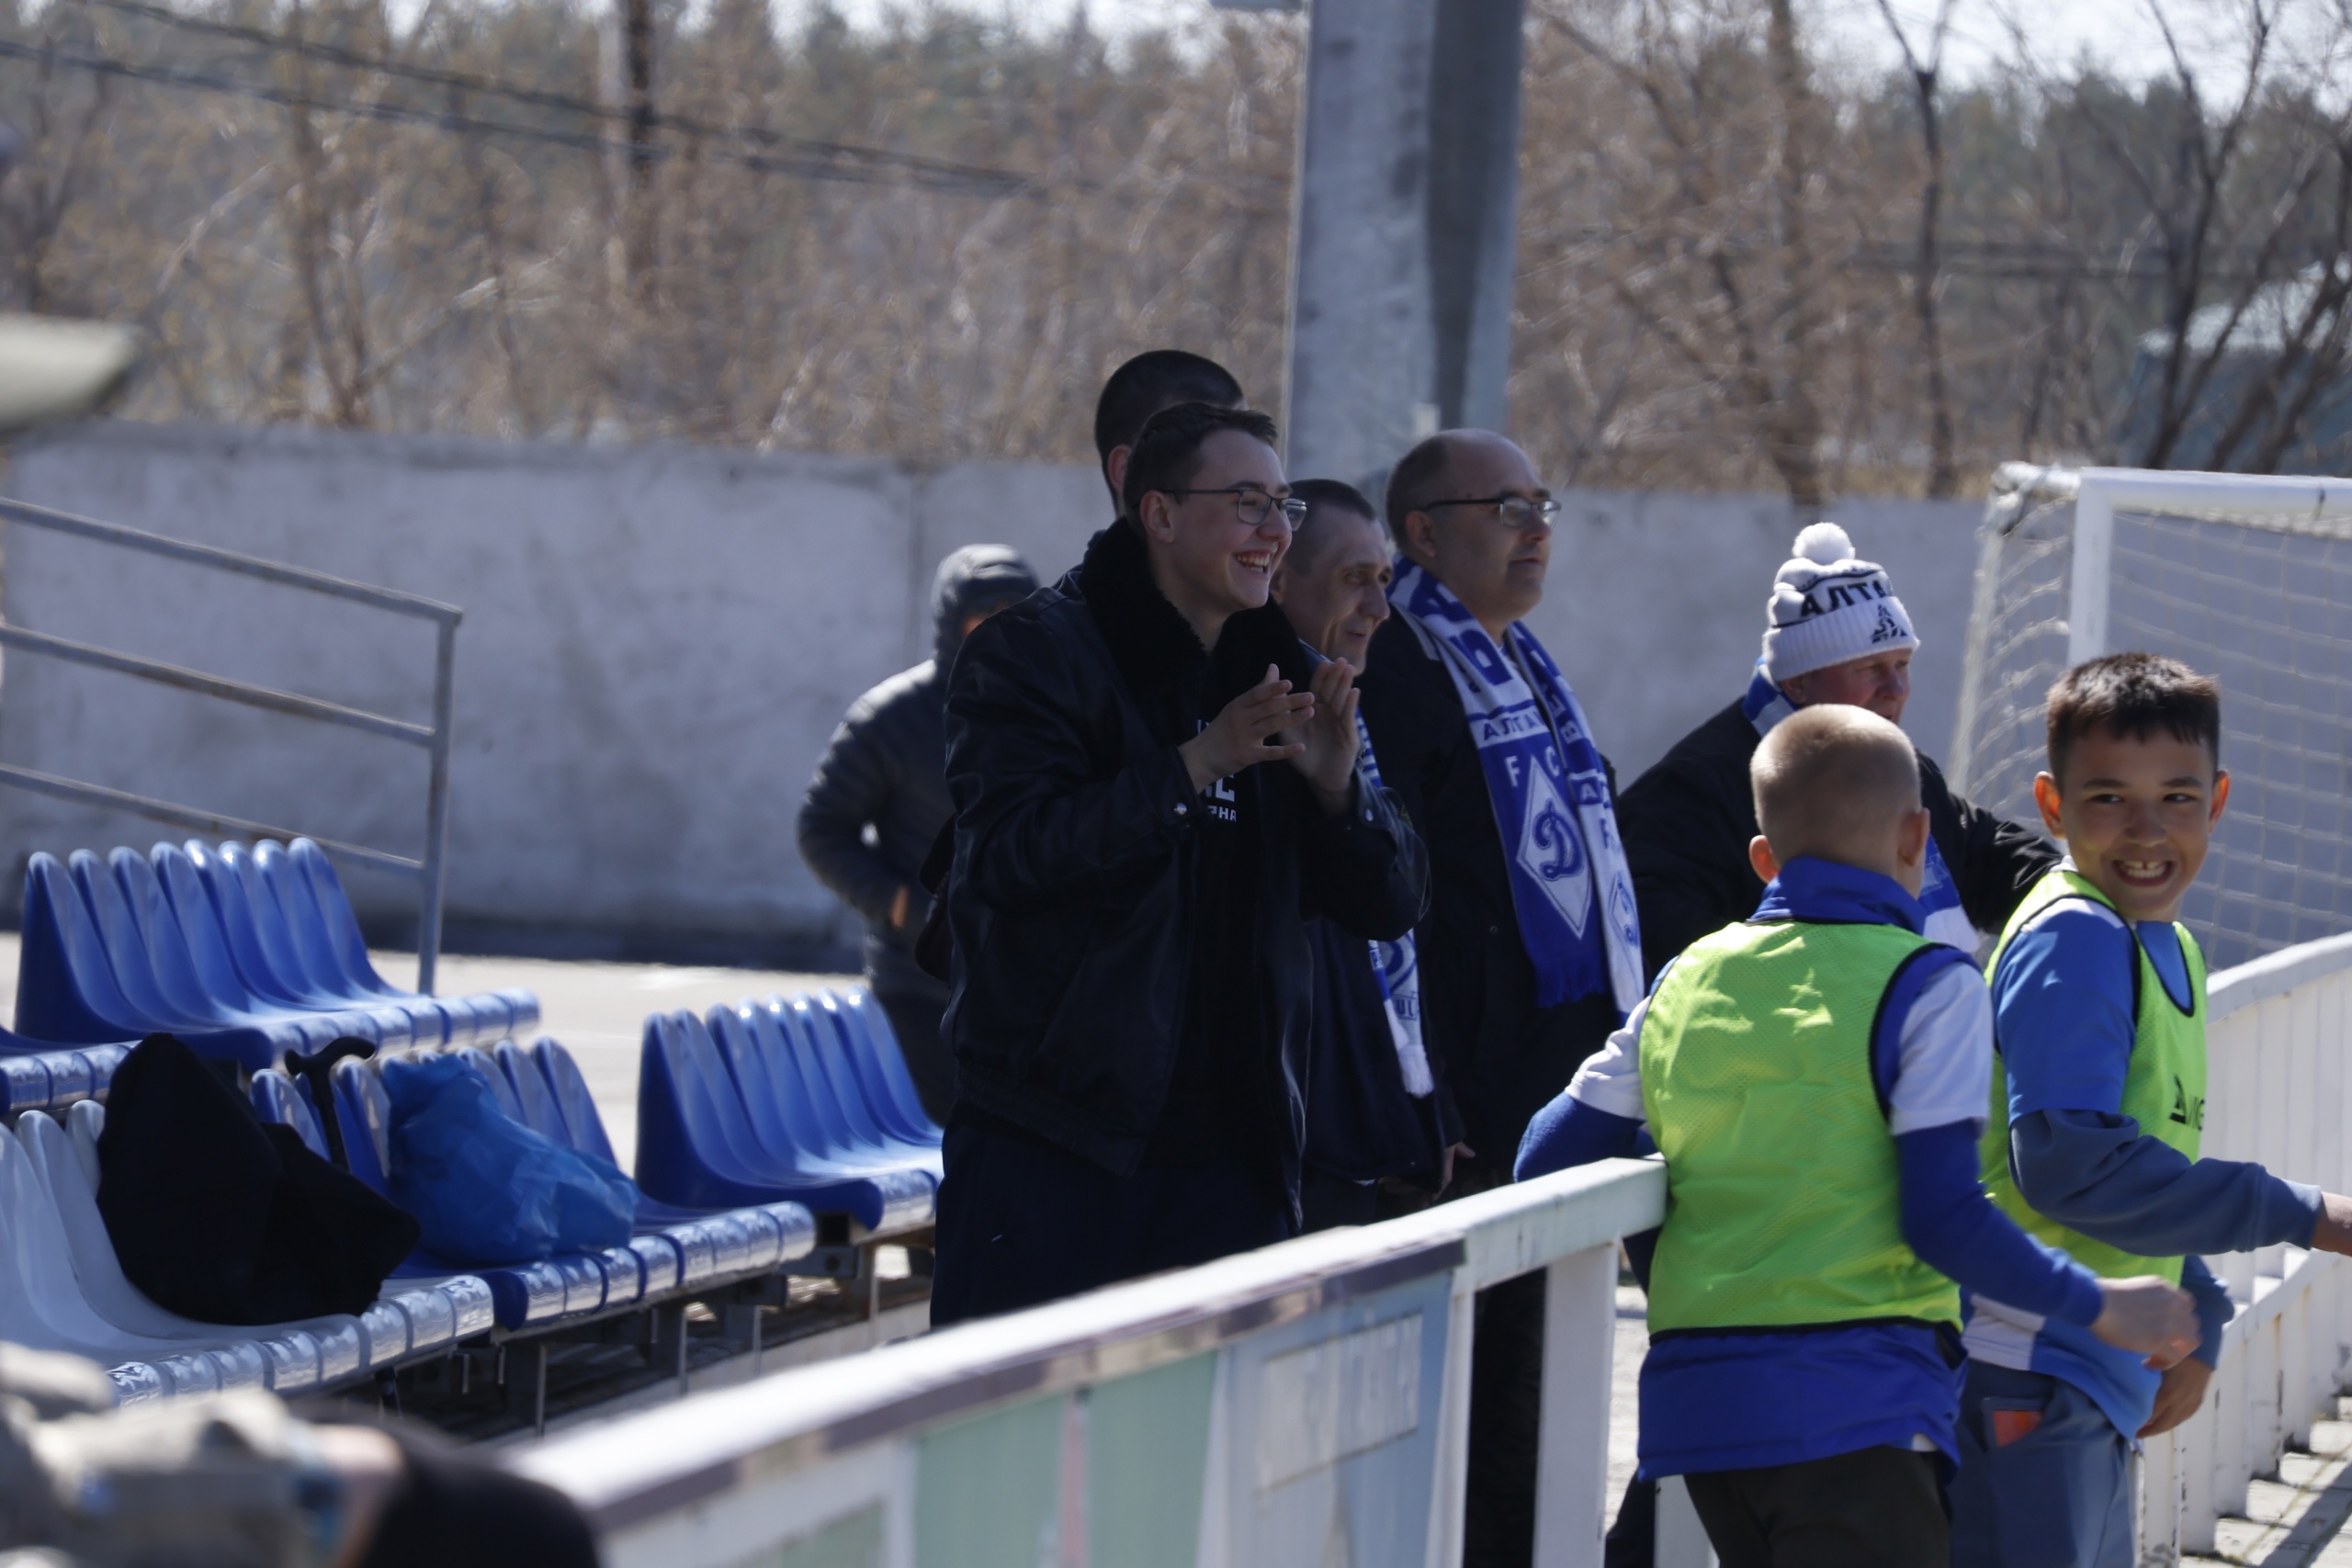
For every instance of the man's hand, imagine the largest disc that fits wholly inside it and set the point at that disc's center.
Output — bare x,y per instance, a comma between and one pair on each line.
2333,1233
899,910
1328,741
2146,1314
2178,1397
1445,1164
1237,738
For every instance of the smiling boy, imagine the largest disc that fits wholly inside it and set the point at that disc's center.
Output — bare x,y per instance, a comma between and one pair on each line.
2098,1096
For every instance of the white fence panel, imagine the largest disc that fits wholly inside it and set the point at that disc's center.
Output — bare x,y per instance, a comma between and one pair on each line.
1303,1404
2275,1093
1309,1402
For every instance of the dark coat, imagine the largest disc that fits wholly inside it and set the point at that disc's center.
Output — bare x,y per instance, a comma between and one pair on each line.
1070,899
1497,1056
1687,821
885,768
1360,1122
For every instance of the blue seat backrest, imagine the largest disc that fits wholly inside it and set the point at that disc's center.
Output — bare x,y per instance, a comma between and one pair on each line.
277,1098
806,1113
487,1070
345,939
733,1031
814,1085
234,862
581,1120
199,922
878,1044
866,1058
365,1111
110,912
66,985
160,934
722,1135
827,1053
223,872
281,882
531,1093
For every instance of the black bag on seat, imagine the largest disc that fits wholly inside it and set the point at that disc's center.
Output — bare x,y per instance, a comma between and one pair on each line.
222,1217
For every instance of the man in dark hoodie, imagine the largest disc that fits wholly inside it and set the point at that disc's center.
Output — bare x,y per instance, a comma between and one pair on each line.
883,770
1153,792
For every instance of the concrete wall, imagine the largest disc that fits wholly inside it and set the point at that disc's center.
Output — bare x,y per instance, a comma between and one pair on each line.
659,640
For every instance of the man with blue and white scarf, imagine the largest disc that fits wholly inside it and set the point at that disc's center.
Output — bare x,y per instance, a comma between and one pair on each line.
1530,954
1835,632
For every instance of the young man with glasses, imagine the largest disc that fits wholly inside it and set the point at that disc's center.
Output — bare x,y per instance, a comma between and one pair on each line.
1530,954
1154,792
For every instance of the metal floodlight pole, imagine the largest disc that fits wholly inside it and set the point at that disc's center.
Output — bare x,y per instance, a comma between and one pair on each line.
1405,229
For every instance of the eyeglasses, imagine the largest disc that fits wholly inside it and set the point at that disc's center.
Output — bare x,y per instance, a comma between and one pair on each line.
1252,504
1510,511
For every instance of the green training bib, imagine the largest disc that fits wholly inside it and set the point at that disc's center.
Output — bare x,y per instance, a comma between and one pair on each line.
2163,1087
1783,1207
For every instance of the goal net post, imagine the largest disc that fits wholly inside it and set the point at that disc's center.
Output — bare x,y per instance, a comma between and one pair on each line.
2244,577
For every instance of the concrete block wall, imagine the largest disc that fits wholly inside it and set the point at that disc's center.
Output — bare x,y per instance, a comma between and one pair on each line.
658,642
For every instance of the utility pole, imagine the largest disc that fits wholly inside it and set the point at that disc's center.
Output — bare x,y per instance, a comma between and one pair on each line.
625,86
1405,229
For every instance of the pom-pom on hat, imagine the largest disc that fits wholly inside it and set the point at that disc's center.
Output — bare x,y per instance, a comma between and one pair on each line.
1829,607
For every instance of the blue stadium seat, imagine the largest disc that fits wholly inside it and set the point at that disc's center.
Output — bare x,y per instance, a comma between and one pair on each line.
583,1128
766,1081
824,1053
697,1149
529,1084
881,1067
803,1101
307,881
256,938
475,1058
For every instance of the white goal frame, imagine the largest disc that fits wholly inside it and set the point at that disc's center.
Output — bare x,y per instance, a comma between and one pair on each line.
2288,504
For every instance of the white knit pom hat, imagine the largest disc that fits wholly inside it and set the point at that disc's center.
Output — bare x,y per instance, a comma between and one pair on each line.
1829,607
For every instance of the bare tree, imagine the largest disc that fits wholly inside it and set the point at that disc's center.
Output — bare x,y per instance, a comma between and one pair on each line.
1943,467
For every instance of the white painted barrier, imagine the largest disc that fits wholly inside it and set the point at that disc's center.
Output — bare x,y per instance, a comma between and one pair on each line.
1301,1404
2276,1094
1307,1403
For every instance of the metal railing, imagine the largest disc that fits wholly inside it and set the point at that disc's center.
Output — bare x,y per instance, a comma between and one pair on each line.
432,739
1270,1407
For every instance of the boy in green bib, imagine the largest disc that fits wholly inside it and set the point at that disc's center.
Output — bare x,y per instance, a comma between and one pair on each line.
1817,1077
2098,1098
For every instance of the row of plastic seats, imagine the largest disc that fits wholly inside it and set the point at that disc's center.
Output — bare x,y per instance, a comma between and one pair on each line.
541,1087
61,1288
241,953
806,1097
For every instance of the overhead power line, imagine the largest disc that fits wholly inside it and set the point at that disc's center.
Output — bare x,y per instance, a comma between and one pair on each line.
804,157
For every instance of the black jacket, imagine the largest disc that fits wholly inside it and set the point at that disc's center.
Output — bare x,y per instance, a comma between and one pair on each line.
1497,1059
1687,821
1071,894
885,768
1360,1122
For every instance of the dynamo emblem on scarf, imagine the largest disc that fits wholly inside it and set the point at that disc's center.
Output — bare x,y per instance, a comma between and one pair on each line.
1551,850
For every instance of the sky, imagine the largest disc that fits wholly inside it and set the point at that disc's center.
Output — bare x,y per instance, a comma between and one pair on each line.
2121,35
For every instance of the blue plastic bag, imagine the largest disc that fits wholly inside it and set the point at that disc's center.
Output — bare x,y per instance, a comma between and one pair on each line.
485,1189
